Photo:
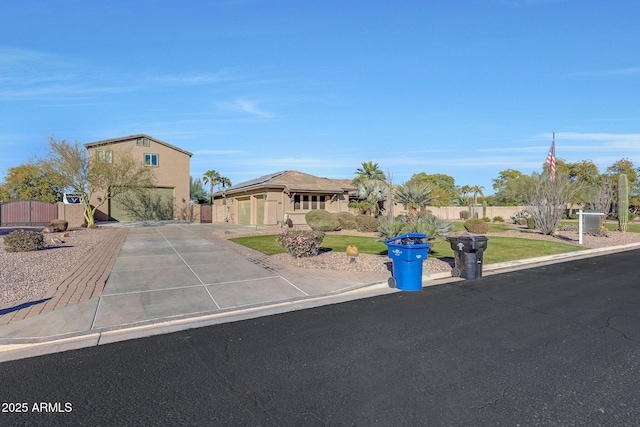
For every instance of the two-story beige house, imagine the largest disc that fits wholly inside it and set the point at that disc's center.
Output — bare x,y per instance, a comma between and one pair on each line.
170,164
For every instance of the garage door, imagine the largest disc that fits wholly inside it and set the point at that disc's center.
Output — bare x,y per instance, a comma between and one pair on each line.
244,211
153,204
260,210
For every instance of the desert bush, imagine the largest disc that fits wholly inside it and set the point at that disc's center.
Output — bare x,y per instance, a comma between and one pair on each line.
58,225
347,220
301,243
429,225
23,241
476,226
464,215
321,220
498,219
367,224
486,219
531,223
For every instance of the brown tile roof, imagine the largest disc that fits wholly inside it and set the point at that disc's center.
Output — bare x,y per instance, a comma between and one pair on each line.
294,181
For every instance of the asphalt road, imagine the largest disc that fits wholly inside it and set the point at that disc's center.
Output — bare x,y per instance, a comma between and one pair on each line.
554,345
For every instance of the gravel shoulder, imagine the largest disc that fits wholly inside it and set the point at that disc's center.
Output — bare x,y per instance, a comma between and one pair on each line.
30,274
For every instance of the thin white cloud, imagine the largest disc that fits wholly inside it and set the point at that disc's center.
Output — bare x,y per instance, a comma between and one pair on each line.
250,106
630,71
198,79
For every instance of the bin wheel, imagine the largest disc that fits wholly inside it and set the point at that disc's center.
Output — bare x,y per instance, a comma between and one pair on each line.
392,282
455,272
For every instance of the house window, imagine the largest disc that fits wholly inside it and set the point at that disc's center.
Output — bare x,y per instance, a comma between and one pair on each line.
142,142
104,156
151,160
308,202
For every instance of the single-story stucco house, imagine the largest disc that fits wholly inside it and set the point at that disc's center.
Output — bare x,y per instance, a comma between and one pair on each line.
279,197
170,164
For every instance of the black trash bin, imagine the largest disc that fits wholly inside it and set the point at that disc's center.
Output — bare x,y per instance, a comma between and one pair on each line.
468,252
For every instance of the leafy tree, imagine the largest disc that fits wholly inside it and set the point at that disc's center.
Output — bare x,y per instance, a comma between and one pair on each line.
28,181
196,191
70,163
414,196
369,171
212,178
627,167
511,188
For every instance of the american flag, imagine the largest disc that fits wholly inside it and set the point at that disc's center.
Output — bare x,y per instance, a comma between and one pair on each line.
551,160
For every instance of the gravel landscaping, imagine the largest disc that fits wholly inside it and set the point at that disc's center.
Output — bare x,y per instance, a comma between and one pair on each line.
29,274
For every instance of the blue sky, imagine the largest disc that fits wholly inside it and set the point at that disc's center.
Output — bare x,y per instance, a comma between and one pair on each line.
251,87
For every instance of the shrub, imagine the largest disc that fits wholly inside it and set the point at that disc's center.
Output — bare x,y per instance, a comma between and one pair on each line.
574,216
367,224
347,220
58,225
301,243
321,220
531,223
476,226
464,215
486,219
498,219
23,241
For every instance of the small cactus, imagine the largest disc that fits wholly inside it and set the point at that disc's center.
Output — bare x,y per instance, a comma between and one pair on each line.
623,203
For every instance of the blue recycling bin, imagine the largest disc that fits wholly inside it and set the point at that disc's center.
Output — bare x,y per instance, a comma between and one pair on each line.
407,253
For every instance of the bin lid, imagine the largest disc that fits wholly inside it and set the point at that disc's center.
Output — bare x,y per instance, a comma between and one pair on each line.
475,238
406,236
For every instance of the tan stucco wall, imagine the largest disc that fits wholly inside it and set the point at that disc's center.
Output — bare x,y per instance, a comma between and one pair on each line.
173,169
278,205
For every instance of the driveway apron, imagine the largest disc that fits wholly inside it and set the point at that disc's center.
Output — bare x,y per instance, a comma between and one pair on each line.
166,272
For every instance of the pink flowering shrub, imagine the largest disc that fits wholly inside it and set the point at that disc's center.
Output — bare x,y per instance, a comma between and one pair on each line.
301,243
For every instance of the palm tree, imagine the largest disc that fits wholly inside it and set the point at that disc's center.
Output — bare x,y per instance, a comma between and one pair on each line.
414,195
224,182
476,189
211,177
369,172
370,194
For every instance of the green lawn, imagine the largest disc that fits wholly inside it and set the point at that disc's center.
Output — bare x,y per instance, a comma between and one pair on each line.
494,227
499,249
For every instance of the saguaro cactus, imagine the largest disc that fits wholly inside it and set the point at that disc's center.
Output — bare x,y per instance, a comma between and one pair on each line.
484,209
623,202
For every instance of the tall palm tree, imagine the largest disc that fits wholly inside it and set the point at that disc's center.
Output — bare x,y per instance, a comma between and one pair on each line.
211,177
476,189
224,182
414,195
369,172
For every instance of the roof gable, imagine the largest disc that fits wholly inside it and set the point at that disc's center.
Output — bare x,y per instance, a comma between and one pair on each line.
133,138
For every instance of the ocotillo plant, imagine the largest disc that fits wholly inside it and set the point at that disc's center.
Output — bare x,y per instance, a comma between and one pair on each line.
623,202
